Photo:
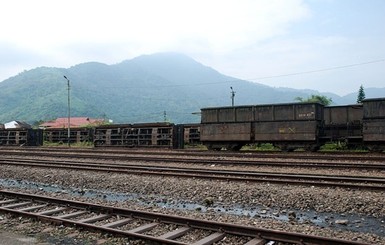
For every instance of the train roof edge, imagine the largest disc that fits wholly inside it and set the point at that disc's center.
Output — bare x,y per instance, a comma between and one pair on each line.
373,99
277,104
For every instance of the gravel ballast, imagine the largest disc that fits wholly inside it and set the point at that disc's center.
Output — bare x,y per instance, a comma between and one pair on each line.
211,199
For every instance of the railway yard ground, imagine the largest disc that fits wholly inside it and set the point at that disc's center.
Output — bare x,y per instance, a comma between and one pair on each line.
355,214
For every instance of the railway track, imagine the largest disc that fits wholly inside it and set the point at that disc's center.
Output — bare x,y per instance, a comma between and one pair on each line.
220,161
354,182
202,153
148,226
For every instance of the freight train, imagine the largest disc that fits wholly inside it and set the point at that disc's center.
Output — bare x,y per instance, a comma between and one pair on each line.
161,134
295,125
21,137
287,126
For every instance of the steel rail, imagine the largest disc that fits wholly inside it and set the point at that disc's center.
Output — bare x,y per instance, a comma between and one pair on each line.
251,154
229,175
338,178
16,203
336,165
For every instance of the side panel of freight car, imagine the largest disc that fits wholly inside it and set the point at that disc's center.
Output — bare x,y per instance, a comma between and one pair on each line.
285,131
13,137
308,111
374,121
289,112
227,114
374,108
343,114
374,130
343,122
35,137
209,115
226,132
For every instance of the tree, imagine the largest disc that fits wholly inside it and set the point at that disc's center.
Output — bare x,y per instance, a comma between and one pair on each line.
361,94
316,99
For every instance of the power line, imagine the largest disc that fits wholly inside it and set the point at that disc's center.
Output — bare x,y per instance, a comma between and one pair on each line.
319,70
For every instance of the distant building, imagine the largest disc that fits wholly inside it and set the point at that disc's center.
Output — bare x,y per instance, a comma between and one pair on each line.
16,124
75,122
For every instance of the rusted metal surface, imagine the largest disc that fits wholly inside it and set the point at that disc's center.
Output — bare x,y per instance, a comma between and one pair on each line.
217,230
285,131
226,132
244,114
374,108
374,130
343,123
230,127
272,112
336,115
289,112
209,115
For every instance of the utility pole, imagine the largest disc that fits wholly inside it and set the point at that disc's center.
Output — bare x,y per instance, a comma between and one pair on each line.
69,111
164,116
232,96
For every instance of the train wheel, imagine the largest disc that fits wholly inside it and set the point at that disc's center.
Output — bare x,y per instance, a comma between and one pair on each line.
212,147
234,147
312,148
286,147
375,148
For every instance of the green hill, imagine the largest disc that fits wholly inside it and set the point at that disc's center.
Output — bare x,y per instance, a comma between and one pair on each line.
136,90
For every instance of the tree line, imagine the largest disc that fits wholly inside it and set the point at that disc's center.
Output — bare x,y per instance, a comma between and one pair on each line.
314,98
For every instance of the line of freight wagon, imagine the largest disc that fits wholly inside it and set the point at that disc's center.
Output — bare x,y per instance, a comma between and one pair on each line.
288,126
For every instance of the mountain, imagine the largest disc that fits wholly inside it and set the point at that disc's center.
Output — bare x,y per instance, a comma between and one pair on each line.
148,88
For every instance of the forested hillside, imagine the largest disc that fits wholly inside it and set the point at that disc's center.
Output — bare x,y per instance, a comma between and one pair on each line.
143,89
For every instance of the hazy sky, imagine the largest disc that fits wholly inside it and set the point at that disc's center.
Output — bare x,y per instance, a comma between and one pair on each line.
326,45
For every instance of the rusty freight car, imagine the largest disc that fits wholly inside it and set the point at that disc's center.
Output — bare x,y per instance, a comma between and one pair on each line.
374,124
21,137
343,123
285,125
133,135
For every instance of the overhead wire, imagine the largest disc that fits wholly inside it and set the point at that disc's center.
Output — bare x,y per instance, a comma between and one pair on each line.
319,70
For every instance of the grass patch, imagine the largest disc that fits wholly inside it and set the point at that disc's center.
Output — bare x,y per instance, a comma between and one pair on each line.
341,146
85,144
260,147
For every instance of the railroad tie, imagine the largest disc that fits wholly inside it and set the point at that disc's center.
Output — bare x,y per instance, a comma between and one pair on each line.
7,201
71,215
217,236
30,209
144,228
52,211
93,219
256,241
117,223
175,233
16,205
